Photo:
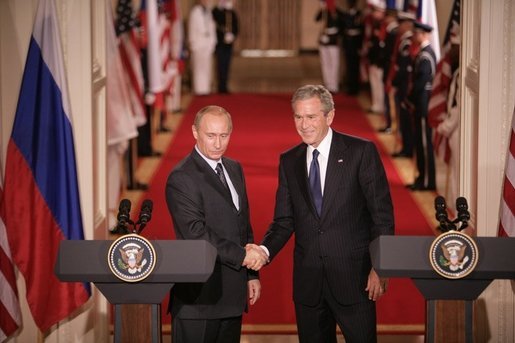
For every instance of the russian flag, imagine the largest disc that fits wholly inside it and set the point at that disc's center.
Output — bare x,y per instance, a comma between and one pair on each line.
42,205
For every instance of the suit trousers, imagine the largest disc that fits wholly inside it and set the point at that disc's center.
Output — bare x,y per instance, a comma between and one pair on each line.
330,64
202,65
223,63
375,75
224,330
318,323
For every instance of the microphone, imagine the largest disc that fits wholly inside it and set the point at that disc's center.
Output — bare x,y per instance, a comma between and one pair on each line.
463,213
123,217
441,212
123,212
145,213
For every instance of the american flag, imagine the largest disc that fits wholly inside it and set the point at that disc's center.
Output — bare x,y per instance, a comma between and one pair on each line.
441,84
130,52
507,217
10,315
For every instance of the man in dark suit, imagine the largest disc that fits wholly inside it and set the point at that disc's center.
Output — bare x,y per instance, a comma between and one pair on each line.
334,195
226,32
207,199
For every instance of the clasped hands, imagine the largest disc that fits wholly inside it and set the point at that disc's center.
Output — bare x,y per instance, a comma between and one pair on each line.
255,257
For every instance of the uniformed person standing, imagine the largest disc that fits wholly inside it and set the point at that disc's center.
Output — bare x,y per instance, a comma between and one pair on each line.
376,60
352,41
226,31
403,66
202,41
390,27
424,69
328,44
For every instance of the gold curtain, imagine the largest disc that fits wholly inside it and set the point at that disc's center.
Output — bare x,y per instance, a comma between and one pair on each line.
269,24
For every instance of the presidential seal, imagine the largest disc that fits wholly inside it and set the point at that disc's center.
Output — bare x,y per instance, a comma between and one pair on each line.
453,255
131,258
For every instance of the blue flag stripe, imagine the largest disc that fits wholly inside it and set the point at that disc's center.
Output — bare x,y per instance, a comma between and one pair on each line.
44,135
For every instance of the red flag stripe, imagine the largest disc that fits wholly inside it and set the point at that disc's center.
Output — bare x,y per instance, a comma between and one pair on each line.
130,54
509,195
512,143
507,218
7,324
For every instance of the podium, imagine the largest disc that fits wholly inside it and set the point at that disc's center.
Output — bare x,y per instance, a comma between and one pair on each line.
408,256
176,261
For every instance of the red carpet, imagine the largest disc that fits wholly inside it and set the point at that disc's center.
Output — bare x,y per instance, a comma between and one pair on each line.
263,128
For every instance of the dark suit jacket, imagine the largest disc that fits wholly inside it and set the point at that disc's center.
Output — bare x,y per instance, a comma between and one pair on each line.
202,208
356,208
220,15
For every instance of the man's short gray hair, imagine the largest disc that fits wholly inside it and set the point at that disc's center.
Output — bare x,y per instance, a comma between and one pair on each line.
311,91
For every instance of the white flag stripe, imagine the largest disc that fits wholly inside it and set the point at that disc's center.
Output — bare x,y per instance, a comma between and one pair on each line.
50,49
153,57
510,169
9,300
429,17
4,244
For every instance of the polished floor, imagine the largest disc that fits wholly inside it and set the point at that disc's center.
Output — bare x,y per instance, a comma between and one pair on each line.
263,75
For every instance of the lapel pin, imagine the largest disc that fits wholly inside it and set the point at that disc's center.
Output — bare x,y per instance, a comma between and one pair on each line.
340,160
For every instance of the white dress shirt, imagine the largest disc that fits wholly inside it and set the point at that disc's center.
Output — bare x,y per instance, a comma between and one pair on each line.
323,148
212,164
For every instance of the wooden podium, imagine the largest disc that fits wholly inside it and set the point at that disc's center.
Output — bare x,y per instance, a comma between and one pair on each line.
408,256
176,261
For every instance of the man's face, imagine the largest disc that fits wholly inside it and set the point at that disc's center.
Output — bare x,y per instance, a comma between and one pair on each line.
310,122
212,135
405,26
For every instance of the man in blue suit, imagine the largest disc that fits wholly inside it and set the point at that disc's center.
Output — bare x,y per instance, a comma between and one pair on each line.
334,196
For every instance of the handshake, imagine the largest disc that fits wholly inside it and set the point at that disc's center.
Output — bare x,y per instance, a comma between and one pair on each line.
255,257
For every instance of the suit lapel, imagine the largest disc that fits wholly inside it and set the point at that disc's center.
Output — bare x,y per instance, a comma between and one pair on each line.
335,170
210,175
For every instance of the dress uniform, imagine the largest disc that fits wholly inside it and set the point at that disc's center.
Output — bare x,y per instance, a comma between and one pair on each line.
226,31
403,66
329,47
202,41
376,60
391,26
352,40
424,69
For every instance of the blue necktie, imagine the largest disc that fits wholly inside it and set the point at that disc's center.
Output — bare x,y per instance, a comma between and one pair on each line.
314,182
